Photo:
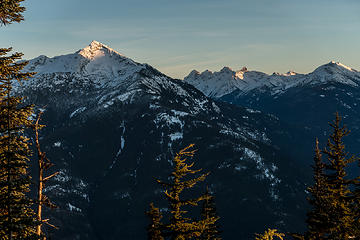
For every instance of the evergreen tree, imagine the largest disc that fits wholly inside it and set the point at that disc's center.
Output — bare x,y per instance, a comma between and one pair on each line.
155,226
181,227
17,219
318,218
356,204
341,224
16,216
208,211
11,11
332,214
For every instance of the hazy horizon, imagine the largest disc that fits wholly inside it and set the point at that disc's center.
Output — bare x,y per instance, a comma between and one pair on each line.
177,37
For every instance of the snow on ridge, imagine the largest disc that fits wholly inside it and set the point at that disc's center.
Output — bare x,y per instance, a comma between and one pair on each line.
73,208
218,84
95,66
95,48
343,66
77,111
97,58
176,136
267,172
110,78
290,73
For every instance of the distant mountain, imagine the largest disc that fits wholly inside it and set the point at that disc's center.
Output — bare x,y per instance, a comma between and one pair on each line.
303,102
219,84
113,126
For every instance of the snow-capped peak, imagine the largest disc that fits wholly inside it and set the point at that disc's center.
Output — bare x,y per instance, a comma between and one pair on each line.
96,58
218,84
342,65
290,73
96,49
96,64
334,68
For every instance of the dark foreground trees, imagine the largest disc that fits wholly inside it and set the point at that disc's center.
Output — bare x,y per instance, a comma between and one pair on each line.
154,230
180,226
16,216
208,211
334,202
334,195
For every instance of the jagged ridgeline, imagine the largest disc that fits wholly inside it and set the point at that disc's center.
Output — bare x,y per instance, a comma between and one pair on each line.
113,126
304,103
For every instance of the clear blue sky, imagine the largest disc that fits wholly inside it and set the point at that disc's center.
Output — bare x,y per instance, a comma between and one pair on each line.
179,36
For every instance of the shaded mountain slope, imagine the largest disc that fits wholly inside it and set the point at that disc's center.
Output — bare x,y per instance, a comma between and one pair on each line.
113,125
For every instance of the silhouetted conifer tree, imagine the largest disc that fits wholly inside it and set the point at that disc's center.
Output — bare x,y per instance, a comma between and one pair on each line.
16,216
356,204
338,187
208,211
155,226
332,214
17,220
181,227
318,217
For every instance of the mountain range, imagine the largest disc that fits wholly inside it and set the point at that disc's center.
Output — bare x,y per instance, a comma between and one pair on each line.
306,103
226,81
113,125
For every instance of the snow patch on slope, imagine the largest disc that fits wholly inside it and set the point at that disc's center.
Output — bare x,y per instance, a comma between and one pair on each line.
267,171
77,111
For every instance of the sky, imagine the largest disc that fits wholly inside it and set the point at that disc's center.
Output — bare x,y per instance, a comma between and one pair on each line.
178,36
